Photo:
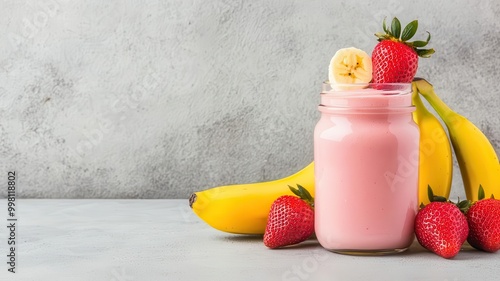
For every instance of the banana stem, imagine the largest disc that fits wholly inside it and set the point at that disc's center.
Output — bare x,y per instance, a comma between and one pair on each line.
426,89
417,102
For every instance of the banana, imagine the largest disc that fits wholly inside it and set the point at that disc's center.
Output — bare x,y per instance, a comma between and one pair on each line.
243,208
436,161
349,66
476,156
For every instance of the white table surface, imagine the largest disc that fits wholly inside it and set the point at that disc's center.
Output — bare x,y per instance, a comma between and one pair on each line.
125,240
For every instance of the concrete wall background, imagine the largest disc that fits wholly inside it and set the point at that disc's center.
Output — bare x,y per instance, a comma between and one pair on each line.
156,99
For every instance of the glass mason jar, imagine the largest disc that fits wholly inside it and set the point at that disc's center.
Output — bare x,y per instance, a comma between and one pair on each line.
366,154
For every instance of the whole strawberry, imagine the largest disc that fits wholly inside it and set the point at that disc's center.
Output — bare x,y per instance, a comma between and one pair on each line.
395,60
484,225
290,220
441,227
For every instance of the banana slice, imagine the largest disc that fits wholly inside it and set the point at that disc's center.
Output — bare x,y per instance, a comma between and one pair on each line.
350,66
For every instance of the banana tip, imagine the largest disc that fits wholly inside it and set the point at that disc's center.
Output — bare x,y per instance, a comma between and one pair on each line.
192,199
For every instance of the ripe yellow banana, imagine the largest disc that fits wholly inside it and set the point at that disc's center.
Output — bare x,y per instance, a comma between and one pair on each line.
243,208
436,161
476,156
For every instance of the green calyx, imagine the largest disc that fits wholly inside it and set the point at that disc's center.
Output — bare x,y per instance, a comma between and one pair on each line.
395,34
463,205
481,194
435,198
303,194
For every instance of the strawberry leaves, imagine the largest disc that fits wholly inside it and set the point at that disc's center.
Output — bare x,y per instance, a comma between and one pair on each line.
480,193
303,194
463,205
409,31
434,198
396,27
422,43
395,30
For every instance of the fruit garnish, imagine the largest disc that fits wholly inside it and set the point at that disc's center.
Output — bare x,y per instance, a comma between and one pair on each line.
394,58
350,66
441,227
290,220
484,223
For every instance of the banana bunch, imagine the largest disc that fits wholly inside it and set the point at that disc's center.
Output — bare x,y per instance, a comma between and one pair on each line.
244,208
436,161
476,156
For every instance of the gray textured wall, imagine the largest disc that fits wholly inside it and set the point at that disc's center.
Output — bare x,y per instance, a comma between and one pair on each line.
156,99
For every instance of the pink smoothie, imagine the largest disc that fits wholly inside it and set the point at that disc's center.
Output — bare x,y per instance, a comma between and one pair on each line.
366,170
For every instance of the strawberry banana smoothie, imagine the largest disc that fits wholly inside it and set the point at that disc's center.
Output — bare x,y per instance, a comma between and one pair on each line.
366,150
